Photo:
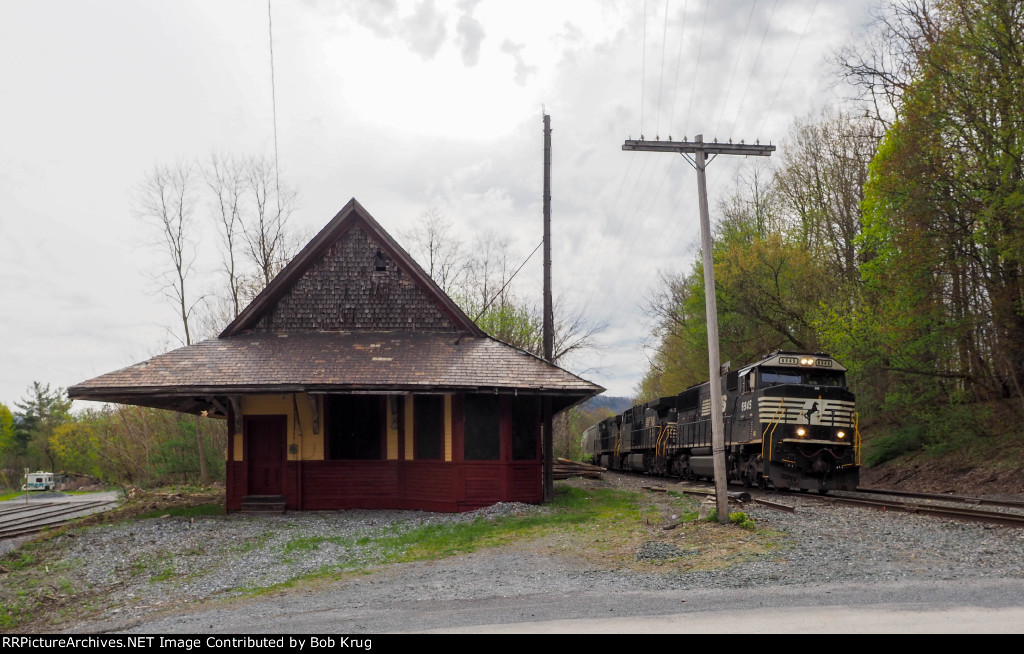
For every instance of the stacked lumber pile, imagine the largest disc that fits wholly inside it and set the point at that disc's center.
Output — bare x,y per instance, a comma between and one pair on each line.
564,468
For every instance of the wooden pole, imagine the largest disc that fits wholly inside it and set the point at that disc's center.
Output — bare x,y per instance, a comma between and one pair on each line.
700,151
714,358
549,328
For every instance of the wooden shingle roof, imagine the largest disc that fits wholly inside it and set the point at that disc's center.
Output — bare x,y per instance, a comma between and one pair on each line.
334,283
337,362
352,312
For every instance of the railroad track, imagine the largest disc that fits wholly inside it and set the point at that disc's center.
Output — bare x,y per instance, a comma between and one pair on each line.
946,497
952,507
31,517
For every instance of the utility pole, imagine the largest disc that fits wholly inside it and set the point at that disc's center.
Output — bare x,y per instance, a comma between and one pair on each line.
549,321
699,161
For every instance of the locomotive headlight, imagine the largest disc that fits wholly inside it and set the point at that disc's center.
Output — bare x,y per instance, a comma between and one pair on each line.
840,434
800,431
806,362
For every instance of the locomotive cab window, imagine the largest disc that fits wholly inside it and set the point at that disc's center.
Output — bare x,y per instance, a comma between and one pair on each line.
747,384
771,377
826,378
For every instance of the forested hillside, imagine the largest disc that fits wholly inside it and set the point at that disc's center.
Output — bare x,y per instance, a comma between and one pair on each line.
889,234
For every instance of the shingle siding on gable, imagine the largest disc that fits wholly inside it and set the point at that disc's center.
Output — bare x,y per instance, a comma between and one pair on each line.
343,291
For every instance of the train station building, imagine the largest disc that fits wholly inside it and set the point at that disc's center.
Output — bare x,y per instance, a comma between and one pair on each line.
353,381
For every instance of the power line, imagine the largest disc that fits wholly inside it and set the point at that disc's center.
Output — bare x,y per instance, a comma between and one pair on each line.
700,46
757,61
679,57
643,71
273,100
786,74
732,77
661,78
509,281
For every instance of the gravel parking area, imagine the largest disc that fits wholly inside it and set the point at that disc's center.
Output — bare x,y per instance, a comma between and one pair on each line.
156,574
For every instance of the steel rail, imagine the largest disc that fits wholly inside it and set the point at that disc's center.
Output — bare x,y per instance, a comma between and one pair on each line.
52,514
972,515
943,497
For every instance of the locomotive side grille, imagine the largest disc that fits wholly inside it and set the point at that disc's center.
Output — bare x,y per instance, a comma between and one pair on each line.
806,411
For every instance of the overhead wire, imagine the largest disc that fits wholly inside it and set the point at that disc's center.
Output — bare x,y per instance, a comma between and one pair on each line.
617,227
732,77
507,282
643,71
642,201
716,182
640,205
679,58
661,78
790,65
273,102
753,70
700,48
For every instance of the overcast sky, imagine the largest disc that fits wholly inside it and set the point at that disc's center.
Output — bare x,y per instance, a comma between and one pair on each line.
404,106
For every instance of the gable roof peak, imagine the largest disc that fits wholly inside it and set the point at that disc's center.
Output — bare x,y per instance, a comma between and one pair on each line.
351,215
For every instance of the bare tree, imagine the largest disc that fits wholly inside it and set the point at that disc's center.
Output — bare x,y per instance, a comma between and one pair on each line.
166,198
480,283
883,65
574,333
225,178
264,226
433,241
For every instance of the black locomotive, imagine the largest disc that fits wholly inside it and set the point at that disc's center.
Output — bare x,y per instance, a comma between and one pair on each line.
790,422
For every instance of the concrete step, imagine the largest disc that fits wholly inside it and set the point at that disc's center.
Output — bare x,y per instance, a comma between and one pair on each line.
263,504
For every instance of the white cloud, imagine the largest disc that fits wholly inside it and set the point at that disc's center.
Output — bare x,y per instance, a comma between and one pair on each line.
402,105
469,33
522,70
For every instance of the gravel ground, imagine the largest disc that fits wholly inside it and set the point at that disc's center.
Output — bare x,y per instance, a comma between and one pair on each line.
156,575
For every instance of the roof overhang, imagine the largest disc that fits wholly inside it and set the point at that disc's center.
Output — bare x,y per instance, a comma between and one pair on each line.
196,378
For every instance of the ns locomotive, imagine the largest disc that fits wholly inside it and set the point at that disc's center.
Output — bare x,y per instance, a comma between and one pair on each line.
790,423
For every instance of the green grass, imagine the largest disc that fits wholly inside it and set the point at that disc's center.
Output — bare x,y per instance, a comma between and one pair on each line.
572,507
572,511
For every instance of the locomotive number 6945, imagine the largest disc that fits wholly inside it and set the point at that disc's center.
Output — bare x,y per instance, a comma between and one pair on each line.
790,422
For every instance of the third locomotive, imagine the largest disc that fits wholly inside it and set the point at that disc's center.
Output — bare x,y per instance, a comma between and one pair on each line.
789,423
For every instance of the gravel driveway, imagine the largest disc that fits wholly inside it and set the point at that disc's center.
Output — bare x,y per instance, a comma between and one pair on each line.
834,556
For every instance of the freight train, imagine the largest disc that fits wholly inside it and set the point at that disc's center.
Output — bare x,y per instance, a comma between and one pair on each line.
790,423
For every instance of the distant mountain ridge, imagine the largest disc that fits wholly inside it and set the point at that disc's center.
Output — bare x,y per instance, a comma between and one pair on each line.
616,404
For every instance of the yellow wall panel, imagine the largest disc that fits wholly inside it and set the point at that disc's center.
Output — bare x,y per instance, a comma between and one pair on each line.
392,444
447,427
408,428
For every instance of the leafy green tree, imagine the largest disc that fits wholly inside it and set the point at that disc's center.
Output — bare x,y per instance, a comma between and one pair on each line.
39,414
943,240
8,443
138,446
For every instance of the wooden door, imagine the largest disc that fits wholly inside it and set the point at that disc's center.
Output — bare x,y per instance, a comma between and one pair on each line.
265,437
